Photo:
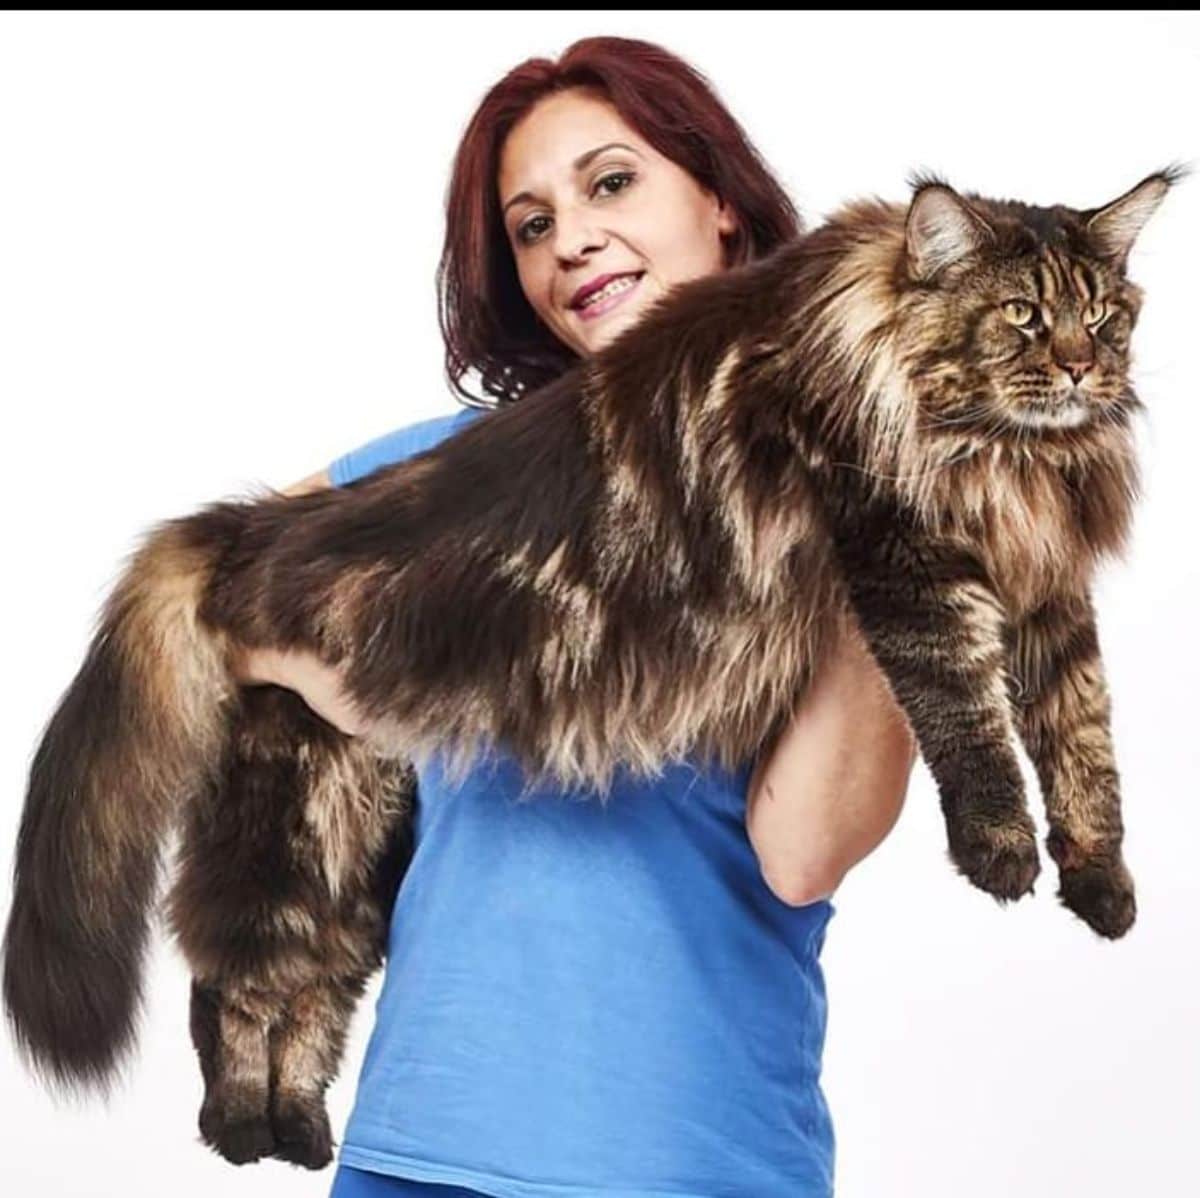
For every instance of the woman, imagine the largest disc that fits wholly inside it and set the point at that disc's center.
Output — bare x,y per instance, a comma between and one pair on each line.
619,999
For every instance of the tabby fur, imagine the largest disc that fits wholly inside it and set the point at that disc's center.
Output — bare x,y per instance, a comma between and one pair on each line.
646,559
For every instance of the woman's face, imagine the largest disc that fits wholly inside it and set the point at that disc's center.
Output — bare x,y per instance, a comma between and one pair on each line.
585,198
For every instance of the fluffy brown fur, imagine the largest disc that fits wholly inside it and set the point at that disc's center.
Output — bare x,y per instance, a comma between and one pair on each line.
918,416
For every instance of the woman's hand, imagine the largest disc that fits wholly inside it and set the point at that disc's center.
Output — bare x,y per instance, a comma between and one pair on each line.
832,786
316,683
319,685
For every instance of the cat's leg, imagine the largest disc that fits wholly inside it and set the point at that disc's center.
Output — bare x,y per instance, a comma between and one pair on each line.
307,1043
288,868
308,1037
936,627
1061,700
232,1044
232,880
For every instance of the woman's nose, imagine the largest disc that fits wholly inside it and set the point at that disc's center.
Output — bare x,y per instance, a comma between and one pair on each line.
574,237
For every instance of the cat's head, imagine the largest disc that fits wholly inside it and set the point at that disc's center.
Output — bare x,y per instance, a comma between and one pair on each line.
1018,318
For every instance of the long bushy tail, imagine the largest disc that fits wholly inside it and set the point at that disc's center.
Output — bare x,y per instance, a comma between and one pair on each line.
137,729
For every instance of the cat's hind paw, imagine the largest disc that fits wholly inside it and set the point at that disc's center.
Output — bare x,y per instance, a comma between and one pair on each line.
302,1132
241,1141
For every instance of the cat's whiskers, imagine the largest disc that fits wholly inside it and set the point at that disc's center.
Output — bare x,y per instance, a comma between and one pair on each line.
929,471
968,419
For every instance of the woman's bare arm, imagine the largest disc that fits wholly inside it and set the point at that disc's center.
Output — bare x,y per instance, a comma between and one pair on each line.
314,482
832,786
318,685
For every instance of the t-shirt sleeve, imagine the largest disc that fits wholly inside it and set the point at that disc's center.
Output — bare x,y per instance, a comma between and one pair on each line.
397,445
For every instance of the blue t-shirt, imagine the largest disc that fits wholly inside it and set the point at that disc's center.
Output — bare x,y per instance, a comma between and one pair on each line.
585,1000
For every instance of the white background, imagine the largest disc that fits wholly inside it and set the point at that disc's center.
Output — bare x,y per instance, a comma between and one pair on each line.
218,234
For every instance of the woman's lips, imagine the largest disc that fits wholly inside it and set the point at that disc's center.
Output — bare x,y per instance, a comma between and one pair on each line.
606,305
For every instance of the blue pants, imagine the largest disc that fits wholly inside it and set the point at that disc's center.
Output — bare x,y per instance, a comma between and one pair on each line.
358,1183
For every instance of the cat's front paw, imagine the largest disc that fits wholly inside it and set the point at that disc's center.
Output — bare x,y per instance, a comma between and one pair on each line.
1101,893
1093,882
1001,858
302,1132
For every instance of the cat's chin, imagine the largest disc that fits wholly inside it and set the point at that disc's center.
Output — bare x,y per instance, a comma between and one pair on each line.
1070,414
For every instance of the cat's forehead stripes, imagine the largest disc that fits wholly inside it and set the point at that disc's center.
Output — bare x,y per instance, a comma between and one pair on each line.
1049,279
1058,274
1082,279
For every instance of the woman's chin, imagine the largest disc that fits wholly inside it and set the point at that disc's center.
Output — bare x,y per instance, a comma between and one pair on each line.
609,328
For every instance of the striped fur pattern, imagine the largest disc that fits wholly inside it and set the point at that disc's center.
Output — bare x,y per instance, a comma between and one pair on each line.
917,417
287,870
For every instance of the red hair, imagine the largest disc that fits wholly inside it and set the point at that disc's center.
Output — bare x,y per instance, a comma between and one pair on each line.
487,323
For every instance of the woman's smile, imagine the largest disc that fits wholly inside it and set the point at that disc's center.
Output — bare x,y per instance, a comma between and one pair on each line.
610,296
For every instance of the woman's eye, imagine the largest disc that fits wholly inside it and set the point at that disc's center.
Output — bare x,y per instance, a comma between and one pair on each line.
626,176
1095,314
527,232
1019,312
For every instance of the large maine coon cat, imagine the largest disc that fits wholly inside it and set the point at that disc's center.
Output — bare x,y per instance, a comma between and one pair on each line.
918,416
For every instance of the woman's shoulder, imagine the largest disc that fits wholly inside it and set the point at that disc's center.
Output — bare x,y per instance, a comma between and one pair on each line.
404,442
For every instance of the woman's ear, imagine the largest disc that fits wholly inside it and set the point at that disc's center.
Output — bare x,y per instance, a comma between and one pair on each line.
727,218
729,230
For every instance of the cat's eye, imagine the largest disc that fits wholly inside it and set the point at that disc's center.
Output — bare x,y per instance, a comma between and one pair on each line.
1095,314
1019,312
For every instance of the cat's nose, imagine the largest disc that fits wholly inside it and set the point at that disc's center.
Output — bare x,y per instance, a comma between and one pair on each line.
1074,354
1076,369
1075,360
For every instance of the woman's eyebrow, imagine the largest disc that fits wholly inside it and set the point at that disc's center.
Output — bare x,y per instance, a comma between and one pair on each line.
577,165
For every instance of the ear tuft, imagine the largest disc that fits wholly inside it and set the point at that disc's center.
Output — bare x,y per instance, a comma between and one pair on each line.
942,227
925,176
1115,227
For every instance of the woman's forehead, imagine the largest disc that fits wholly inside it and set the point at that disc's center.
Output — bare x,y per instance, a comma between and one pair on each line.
556,134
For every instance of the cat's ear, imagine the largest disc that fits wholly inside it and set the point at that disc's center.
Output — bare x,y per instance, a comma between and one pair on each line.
1114,228
942,228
